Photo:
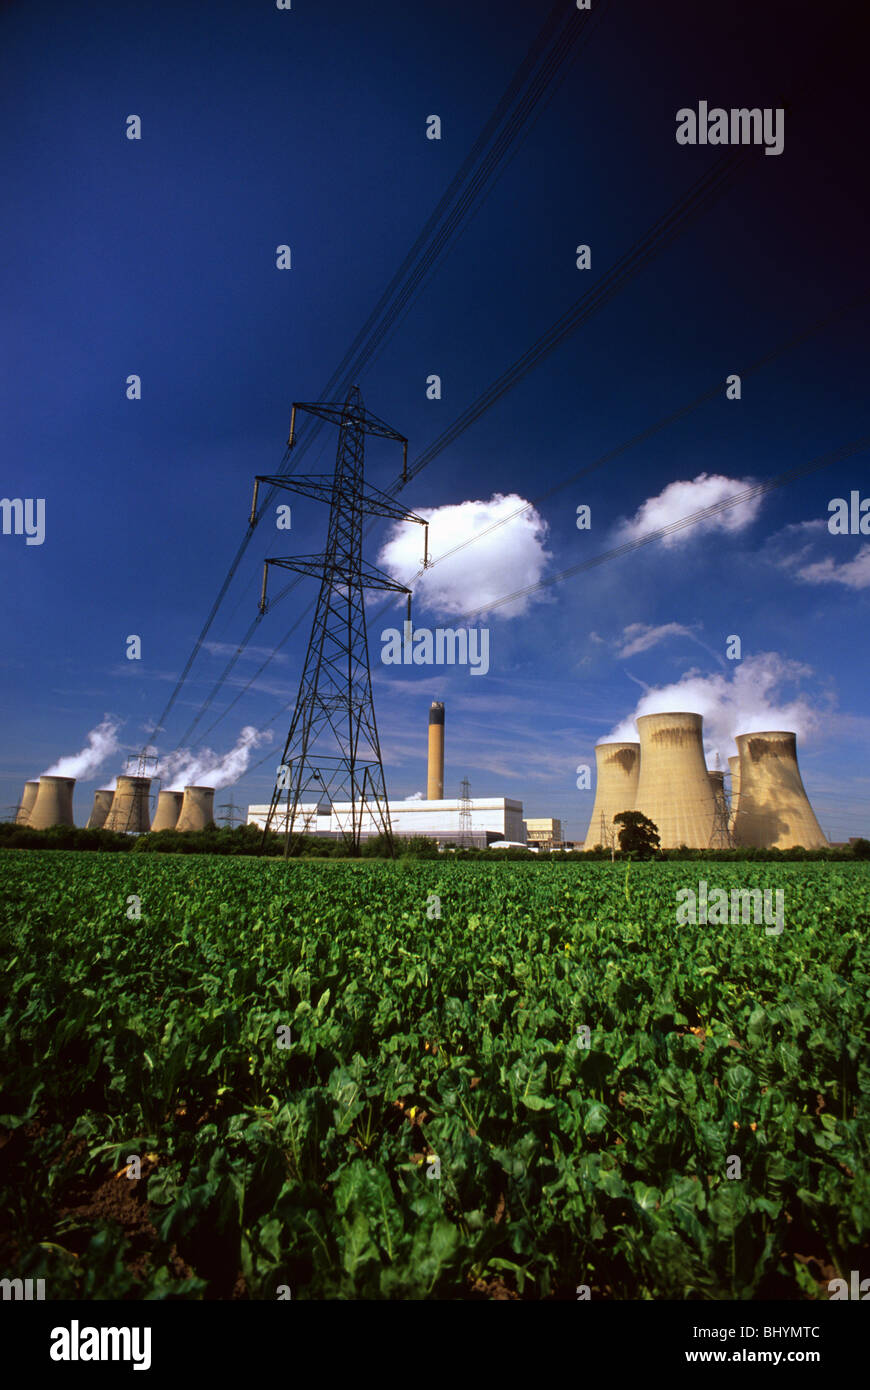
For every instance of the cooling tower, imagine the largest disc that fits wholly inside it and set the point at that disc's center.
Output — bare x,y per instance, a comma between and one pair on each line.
28,796
435,778
168,810
102,807
129,810
734,764
197,808
673,788
617,766
53,804
774,810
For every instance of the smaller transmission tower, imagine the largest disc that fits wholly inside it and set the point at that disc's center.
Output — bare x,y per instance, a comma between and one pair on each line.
234,814
720,833
465,836
142,764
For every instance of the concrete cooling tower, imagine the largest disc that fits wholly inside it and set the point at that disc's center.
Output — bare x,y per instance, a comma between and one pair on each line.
435,771
28,797
673,788
102,806
734,764
53,804
168,810
197,808
774,811
129,810
616,767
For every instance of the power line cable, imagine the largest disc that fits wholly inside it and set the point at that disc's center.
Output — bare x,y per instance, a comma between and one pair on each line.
574,26
714,391
699,198
705,513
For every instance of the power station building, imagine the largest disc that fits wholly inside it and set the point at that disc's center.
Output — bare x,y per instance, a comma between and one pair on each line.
665,777
544,832
489,819
473,822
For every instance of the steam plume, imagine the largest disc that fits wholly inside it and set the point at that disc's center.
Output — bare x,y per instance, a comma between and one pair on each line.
102,744
752,701
209,769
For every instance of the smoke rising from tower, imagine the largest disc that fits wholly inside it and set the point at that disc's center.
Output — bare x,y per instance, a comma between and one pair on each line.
102,744
754,699
209,769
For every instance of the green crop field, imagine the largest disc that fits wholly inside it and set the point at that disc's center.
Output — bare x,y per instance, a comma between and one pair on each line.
241,1078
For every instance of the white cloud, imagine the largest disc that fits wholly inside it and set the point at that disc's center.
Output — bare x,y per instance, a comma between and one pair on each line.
681,499
250,653
792,548
639,637
510,557
854,574
762,694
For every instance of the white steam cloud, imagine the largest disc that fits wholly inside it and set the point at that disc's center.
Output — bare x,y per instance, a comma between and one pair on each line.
209,769
102,744
681,499
752,701
510,557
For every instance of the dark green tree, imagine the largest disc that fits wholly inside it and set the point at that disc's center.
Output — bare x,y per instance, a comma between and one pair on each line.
638,837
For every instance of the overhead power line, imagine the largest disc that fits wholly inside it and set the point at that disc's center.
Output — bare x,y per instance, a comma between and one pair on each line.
698,199
795,340
529,90
704,514
700,196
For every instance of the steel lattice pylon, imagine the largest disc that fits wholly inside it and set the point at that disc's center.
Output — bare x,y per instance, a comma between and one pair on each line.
465,836
332,753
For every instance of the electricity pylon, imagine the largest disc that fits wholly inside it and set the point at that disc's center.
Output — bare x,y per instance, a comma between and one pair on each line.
332,750
466,838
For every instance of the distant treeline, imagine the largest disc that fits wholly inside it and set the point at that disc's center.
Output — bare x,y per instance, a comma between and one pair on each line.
248,839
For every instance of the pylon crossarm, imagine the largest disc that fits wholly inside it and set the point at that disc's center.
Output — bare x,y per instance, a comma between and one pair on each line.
319,487
339,413
344,576
377,503
314,485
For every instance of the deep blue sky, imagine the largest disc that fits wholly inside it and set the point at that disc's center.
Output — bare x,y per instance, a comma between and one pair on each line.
262,127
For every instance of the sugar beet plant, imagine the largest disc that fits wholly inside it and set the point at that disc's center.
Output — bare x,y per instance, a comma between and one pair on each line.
429,1080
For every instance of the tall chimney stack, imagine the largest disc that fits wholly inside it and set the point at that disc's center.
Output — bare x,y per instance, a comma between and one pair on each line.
435,778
